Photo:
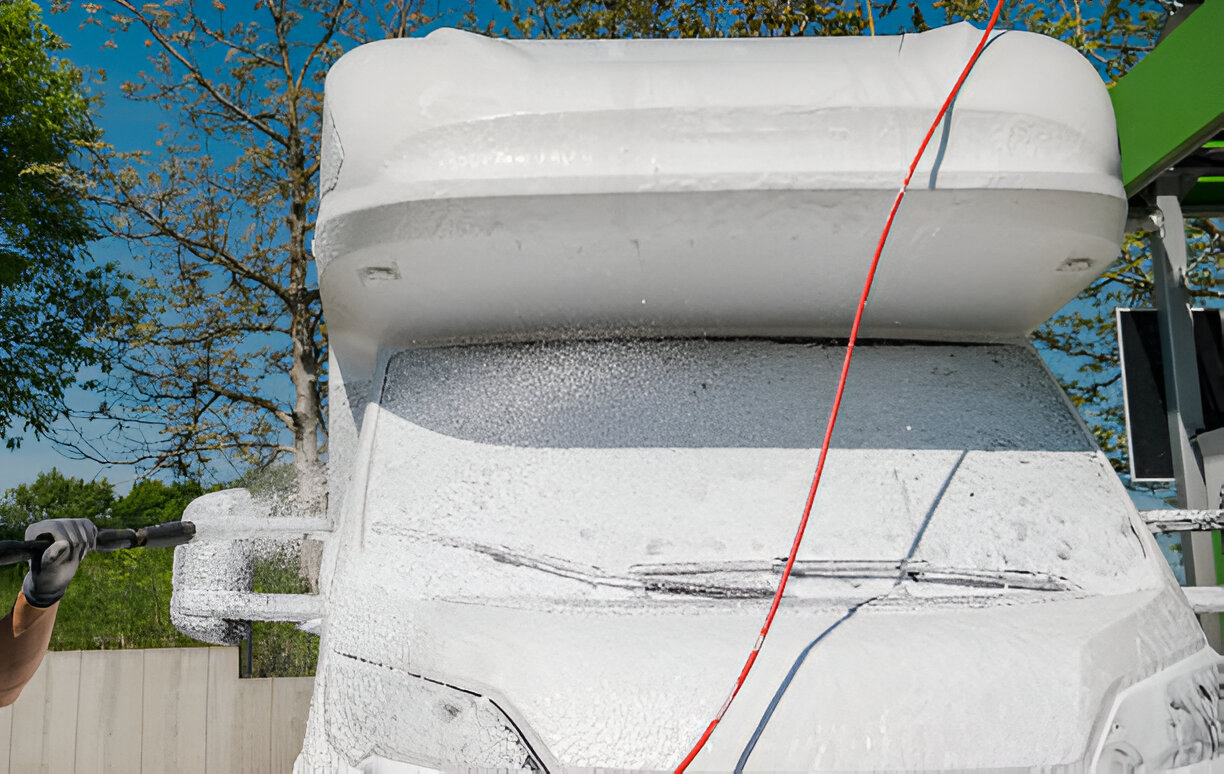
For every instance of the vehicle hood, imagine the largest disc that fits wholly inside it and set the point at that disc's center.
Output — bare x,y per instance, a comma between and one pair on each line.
951,687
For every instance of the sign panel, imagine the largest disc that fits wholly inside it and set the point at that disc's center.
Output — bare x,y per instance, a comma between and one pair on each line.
1143,387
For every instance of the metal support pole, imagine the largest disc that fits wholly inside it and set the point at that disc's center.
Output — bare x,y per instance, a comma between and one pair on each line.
1185,414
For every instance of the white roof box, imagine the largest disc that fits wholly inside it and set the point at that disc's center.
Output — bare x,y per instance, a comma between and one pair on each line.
484,189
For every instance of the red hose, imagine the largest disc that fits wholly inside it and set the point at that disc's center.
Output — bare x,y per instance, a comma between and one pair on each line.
841,387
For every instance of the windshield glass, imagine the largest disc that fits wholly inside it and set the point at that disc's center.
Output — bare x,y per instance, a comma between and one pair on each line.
587,464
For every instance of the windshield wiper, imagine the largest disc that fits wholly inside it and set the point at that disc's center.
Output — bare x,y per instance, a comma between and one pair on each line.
921,571
736,578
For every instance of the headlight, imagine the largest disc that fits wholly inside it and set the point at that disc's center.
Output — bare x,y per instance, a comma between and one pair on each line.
1170,720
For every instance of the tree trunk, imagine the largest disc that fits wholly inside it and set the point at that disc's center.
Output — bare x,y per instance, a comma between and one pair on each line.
304,372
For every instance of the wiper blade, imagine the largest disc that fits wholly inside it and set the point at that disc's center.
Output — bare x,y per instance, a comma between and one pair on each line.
921,571
721,580
736,578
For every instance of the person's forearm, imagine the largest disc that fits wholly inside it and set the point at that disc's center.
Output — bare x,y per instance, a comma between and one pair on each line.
24,635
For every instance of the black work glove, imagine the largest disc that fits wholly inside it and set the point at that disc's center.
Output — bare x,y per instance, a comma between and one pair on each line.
49,573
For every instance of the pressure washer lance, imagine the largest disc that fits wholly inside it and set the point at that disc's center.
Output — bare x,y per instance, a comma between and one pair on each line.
172,533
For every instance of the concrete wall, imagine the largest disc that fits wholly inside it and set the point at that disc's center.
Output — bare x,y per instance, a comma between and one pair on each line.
152,711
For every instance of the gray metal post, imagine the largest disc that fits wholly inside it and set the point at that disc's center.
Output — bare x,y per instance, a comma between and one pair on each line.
1182,398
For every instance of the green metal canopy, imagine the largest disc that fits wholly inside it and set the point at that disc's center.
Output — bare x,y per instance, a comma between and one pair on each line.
1170,111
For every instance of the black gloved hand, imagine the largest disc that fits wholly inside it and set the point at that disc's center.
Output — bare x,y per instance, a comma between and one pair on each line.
50,573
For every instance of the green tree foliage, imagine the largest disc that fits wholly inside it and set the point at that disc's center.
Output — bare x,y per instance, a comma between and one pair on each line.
1112,34
51,300
689,19
53,496
56,496
153,502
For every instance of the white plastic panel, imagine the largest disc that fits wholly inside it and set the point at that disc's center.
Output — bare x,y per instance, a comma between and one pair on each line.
490,189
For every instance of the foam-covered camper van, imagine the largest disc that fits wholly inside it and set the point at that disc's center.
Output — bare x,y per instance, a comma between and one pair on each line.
586,304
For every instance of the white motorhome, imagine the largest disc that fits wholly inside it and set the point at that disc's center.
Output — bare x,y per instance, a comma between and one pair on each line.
587,303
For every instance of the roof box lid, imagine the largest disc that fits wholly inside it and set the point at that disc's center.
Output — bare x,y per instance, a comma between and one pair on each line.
571,184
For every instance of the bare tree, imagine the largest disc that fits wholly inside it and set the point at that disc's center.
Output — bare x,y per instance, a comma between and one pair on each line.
221,212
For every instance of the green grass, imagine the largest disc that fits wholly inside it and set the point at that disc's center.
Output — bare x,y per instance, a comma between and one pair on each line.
281,649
